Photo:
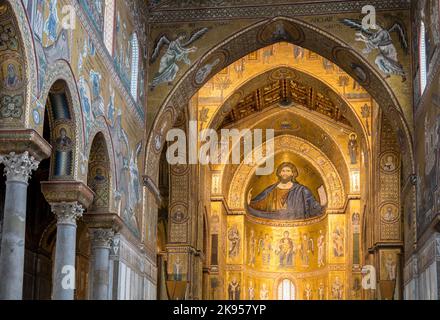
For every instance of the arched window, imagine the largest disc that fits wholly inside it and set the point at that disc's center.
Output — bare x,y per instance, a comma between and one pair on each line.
422,57
286,290
134,66
109,24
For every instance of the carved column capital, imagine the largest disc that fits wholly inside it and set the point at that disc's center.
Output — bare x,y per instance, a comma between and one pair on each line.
67,212
18,167
102,238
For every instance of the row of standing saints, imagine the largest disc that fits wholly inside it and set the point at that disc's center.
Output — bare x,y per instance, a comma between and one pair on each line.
265,249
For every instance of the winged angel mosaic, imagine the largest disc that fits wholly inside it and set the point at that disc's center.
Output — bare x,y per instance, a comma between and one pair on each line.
380,39
177,50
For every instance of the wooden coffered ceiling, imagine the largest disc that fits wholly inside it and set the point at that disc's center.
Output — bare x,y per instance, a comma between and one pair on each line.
286,93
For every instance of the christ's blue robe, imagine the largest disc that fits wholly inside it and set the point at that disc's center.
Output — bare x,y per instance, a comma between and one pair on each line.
301,204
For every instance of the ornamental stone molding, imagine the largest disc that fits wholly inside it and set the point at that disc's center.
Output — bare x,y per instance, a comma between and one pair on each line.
67,213
18,167
28,140
104,221
180,11
67,192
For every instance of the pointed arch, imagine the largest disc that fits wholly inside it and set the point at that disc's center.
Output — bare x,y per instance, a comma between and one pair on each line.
61,82
259,35
99,174
19,57
103,130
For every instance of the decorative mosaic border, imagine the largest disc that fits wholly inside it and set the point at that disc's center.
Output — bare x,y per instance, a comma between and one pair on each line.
221,11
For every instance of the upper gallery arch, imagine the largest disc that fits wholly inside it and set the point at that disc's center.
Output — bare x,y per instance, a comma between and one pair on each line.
299,33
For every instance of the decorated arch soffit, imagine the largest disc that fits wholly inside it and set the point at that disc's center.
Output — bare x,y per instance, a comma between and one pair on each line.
335,190
309,96
101,127
300,33
61,70
330,138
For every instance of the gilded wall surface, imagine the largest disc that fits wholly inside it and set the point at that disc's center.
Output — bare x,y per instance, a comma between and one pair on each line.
317,258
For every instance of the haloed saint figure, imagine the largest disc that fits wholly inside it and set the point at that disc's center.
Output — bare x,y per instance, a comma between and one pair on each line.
285,200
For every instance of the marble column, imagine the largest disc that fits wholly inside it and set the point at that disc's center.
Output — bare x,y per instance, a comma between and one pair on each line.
18,168
101,245
64,268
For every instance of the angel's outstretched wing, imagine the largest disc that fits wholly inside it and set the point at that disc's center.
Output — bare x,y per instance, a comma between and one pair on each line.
400,29
195,36
159,44
356,24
